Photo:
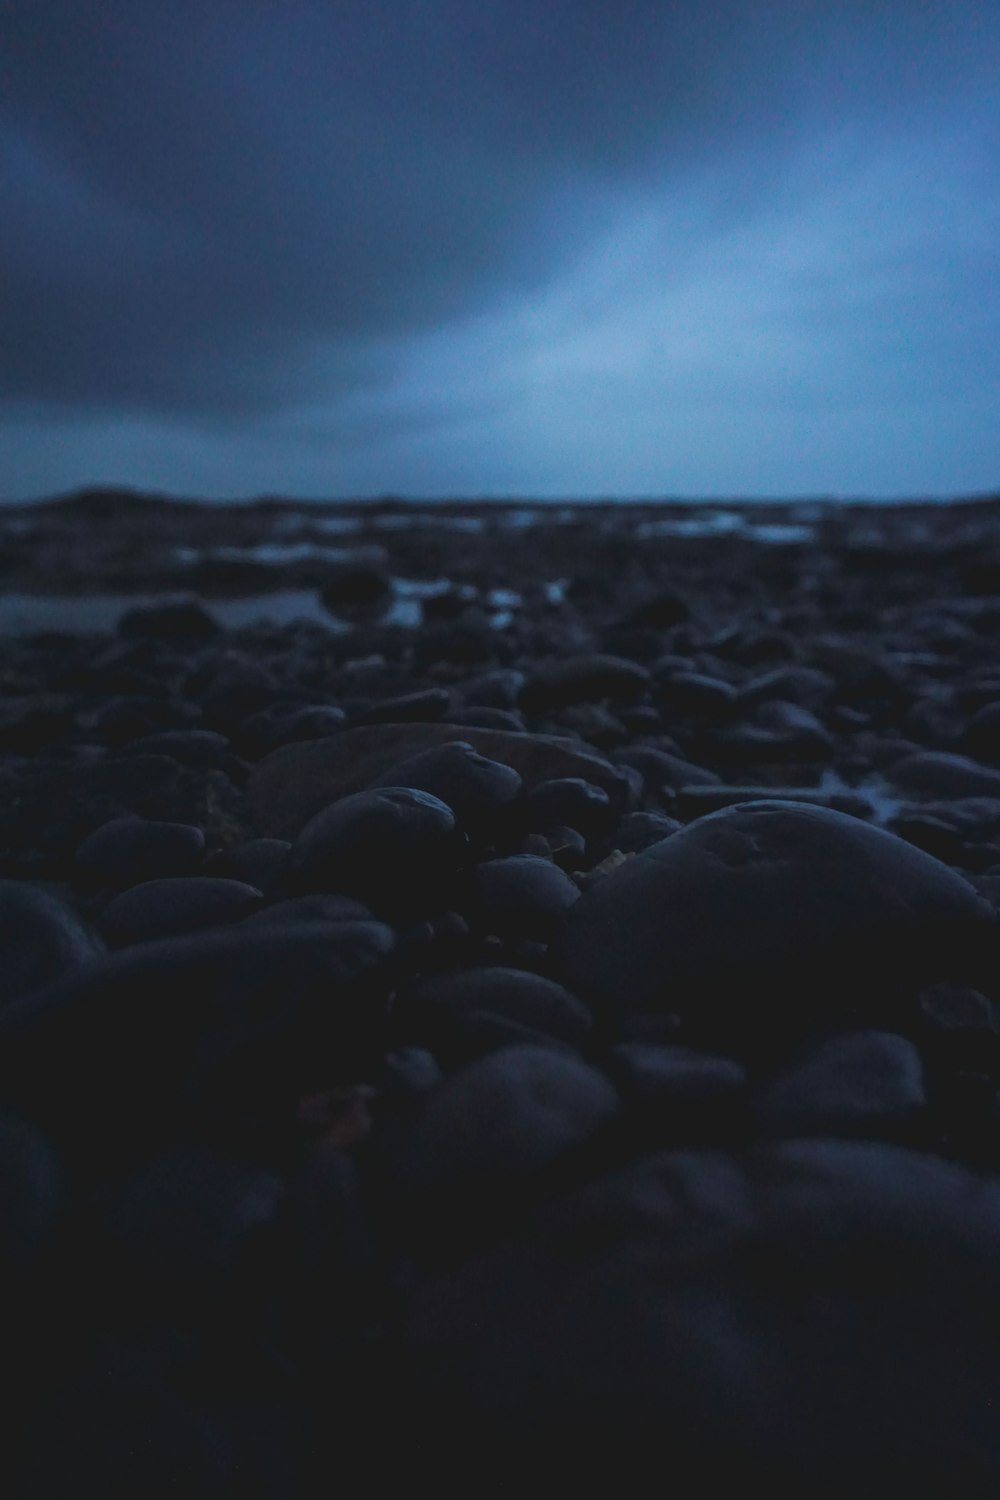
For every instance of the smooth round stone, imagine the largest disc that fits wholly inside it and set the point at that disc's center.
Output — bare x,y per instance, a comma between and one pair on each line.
428,705
696,694
498,689
479,791
384,845
584,679
807,686
938,773
288,724
103,1056
675,1085
569,800
867,1082
41,938
127,850
486,718
636,831
190,747
258,862
522,896
659,768
768,911
319,907
432,1007
508,1116
802,1315
163,908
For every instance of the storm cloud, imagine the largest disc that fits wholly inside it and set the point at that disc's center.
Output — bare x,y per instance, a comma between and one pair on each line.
436,246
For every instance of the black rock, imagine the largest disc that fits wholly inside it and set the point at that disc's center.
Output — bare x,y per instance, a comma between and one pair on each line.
125,851
867,1083
770,910
569,800
390,845
422,707
191,747
430,1010
238,1018
521,896
162,908
480,792
41,938
258,862
583,679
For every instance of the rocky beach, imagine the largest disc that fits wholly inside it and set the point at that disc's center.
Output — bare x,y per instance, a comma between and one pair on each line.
499,992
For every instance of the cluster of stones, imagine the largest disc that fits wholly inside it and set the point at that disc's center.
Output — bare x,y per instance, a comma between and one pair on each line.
450,1045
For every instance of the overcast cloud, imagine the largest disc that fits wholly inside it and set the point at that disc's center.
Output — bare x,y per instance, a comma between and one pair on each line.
333,247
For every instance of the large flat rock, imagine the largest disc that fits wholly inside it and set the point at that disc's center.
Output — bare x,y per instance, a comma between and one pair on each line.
294,783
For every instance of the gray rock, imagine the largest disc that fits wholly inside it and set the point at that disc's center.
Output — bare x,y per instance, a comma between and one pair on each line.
127,850
41,938
864,1083
162,908
768,911
522,896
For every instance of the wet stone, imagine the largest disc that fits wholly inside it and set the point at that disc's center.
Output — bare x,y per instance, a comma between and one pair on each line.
582,679
939,774
190,747
257,862
125,851
431,1009
162,908
521,896
480,792
569,800
506,1118
864,1083
391,845
770,911
677,1089
431,704
41,938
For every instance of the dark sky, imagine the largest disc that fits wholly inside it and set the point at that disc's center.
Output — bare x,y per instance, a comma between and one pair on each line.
446,247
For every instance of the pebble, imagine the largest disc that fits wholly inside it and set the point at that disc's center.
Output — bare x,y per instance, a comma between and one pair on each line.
939,774
583,679
867,1083
769,911
41,938
257,862
106,1055
391,845
125,851
521,896
480,792
570,800
430,1010
508,1117
162,908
